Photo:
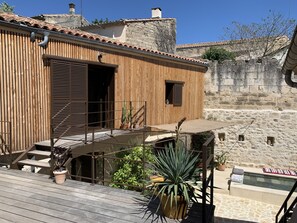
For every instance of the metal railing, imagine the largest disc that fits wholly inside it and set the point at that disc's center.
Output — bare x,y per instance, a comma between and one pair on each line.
5,142
285,209
80,117
83,119
207,178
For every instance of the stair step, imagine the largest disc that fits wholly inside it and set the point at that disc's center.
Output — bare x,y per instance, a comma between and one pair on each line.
35,163
40,153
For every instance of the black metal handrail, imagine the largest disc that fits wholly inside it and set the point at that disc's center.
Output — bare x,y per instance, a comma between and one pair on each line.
207,180
5,140
285,208
135,113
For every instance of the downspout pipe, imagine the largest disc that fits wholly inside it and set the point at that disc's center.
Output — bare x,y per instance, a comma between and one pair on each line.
288,79
45,40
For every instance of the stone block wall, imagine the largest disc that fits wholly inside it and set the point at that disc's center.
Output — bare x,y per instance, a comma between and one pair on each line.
157,34
248,85
245,92
256,126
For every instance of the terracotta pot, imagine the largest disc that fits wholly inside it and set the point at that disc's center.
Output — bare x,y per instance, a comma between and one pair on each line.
221,167
60,176
178,211
156,179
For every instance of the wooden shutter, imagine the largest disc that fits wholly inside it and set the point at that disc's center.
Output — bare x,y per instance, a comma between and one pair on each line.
69,97
60,109
177,94
79,98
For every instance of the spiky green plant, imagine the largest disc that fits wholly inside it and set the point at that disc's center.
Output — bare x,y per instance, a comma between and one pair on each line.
177,166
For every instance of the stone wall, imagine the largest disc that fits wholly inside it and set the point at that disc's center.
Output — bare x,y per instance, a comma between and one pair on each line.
248,85
153,34
255,126
245,92
243,49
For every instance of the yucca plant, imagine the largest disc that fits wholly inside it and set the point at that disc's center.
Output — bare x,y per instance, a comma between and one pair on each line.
177,166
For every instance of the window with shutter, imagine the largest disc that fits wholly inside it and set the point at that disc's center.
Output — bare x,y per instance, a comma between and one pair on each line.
174,93
177,95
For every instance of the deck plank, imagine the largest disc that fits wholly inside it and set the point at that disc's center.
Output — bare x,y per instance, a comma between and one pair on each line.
33,197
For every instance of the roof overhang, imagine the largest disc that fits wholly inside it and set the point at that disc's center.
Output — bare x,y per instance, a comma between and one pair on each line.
194,126
78,36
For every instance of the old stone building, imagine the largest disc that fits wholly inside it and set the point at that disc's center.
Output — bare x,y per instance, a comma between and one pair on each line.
70,20
262,107
252,94
155,33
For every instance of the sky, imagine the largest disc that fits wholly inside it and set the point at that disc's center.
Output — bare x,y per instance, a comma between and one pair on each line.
197,20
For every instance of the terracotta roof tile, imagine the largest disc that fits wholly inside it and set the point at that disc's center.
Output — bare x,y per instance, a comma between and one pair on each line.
12,18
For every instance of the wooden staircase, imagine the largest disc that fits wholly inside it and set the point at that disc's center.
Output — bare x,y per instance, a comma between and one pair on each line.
37,157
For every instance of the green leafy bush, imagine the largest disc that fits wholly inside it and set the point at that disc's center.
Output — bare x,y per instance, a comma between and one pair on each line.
129,174
219,54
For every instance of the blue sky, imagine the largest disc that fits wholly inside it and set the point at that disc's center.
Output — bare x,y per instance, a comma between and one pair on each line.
197,20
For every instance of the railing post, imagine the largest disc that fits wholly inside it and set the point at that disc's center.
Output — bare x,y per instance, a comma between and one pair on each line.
93,165
204,172
86,123
143,160
9,144
212,173
52,151
103,168
145,113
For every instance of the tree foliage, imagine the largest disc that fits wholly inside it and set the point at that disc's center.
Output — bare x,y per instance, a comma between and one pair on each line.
101,21
219,54
4,7
267,36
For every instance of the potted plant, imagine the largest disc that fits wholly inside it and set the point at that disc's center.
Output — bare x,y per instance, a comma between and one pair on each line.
60,171
221,160
177,166
60,175
126,117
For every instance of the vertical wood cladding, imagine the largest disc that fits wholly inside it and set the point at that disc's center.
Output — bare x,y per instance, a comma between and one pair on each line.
25,81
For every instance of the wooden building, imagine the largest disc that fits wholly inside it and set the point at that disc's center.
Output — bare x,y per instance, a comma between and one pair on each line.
48,71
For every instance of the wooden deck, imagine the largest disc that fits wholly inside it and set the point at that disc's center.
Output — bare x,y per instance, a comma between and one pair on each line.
28,197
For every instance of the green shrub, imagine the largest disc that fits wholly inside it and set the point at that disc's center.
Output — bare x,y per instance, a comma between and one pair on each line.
129,174
219,54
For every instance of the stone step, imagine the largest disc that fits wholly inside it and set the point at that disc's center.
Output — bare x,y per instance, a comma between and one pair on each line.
35,163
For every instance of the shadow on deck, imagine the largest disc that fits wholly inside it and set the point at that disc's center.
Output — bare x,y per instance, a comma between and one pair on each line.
29,197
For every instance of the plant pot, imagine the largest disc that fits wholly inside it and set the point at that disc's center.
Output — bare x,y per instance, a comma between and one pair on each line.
156,179
60,176
221,167
125,126
178,211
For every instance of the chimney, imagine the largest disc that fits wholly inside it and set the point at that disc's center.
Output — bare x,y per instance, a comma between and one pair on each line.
71,8
156,13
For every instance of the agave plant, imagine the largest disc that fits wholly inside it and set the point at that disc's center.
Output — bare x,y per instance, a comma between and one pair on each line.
177,166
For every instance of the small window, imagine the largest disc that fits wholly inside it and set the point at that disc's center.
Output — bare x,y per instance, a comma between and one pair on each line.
241,138
221,136
173,93
270,140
